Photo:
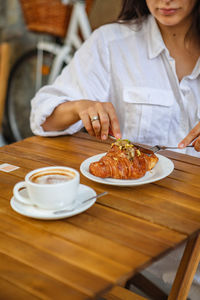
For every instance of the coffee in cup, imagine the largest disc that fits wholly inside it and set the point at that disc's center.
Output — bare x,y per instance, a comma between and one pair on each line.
49,187
52,177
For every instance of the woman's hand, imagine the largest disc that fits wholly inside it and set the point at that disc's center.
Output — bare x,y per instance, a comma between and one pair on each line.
193,136
98,118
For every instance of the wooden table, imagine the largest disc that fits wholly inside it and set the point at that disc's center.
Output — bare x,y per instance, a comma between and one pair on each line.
125,231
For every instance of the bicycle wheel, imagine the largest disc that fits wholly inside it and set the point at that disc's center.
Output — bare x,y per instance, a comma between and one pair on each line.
21,89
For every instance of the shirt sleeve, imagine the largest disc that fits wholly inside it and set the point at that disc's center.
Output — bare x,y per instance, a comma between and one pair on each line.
86,77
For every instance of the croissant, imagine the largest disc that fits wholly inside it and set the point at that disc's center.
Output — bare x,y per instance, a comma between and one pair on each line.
123,161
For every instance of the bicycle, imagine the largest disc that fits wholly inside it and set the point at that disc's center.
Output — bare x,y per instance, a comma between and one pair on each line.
40,66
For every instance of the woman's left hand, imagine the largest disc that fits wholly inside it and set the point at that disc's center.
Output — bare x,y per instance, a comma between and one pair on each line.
194,134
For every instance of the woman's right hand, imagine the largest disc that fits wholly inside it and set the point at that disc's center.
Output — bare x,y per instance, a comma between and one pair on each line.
105,118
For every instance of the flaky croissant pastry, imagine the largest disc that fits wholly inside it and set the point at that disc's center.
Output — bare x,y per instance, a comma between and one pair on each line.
123,161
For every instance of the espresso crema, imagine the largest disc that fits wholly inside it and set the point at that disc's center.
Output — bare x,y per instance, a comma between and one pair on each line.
52,176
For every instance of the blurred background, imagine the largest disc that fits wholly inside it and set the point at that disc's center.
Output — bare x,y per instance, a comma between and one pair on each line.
20,33
14,30
18,59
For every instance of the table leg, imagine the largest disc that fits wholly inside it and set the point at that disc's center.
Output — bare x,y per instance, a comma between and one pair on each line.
186,270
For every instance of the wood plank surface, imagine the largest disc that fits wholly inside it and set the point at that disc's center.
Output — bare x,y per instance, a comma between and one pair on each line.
20,281
8,290
85,255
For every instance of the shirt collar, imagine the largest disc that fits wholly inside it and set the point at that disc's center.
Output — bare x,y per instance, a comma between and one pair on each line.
196,70
156,44
155,41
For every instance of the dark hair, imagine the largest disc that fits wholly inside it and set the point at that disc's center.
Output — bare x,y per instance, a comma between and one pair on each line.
137,10
133,10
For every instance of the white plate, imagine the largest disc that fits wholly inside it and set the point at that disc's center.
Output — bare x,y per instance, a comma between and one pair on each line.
162,169
84,192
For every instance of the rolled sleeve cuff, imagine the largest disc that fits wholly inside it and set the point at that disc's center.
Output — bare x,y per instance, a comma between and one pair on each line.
46,109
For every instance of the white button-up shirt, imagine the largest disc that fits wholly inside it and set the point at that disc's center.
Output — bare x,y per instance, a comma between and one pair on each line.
131,68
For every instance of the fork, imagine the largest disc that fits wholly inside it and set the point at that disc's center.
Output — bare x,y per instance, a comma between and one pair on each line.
158,148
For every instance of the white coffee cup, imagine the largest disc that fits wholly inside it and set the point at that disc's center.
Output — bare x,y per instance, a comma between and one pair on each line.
49,188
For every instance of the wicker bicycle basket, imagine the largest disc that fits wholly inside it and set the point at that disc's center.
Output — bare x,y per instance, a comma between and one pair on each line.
46,16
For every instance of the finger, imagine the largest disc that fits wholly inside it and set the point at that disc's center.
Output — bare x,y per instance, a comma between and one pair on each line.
87,123
104,121
193,134
114,123
197,145
105,124
96,126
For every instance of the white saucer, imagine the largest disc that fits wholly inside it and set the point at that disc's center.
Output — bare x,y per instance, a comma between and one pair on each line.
84,192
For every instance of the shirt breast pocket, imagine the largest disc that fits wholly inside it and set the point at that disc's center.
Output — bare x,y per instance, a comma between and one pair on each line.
148,114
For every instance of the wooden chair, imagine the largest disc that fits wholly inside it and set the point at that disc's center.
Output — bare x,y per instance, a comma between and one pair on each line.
120,293
4,72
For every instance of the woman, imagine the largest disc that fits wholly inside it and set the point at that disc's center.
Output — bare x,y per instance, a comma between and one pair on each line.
138,77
